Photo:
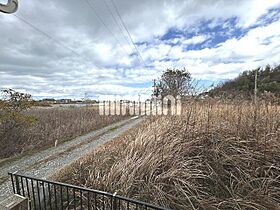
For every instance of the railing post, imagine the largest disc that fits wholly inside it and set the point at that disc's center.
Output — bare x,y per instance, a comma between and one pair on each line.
17,185
108,200
13,184
115,204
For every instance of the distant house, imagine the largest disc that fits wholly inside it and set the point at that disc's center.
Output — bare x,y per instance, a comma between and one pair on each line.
125,101
63,101
48,100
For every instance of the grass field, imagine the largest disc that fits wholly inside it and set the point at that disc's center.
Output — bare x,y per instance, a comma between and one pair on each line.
52,127
216,155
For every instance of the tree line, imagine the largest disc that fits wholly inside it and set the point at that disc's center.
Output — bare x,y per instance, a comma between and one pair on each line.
268,84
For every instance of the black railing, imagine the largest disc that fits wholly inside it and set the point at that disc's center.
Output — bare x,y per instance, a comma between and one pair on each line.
45,195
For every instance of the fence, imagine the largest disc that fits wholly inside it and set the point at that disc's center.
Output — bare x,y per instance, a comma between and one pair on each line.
45,195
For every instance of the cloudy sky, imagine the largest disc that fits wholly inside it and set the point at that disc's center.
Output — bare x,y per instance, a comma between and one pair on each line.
70,48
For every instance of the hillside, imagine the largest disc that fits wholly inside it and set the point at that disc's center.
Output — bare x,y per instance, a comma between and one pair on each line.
243,85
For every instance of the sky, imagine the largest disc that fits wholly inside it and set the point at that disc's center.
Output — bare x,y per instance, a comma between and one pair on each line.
115,48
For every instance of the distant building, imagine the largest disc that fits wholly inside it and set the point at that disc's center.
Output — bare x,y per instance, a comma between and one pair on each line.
63,101
48,100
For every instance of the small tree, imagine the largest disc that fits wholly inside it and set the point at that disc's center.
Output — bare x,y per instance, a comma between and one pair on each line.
175,82
14,101
13,119
12,107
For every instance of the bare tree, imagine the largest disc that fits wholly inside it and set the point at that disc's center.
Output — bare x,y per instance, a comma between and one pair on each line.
175,82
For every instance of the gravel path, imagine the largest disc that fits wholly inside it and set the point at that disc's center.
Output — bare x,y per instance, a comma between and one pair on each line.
45,163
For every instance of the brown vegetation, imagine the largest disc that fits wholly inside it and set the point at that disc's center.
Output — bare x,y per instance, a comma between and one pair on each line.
50,126
214,156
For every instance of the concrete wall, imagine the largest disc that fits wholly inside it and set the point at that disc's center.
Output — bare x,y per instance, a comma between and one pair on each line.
15,202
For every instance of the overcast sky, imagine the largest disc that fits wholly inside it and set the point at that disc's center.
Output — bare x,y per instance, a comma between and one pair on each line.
67,48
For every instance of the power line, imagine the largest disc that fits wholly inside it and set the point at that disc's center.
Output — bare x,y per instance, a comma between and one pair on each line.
47,35
21,18
129,35
104,24
116,22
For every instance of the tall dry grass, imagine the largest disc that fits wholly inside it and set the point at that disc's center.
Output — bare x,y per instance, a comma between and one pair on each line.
52,127
215,156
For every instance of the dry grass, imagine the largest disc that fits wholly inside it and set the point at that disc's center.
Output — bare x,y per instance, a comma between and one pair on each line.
53,126
214,156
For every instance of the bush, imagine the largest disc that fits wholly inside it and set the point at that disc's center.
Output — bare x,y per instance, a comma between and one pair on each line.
13,120
24,128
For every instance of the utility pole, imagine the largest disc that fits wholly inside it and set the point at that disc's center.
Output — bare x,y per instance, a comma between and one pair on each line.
256,87
86,96
10,7
154,86
155,91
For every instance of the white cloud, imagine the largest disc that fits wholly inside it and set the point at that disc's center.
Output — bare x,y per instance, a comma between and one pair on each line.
30,61
260,46
196,39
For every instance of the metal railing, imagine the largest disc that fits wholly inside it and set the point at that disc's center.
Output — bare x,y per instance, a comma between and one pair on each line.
45,195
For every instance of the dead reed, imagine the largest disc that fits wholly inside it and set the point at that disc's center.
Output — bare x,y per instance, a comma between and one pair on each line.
53,126
216,155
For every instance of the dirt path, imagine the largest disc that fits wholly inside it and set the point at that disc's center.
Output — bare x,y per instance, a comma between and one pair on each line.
46,162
